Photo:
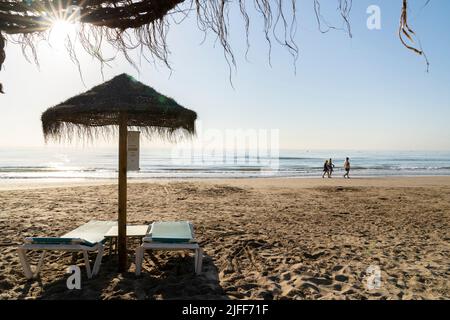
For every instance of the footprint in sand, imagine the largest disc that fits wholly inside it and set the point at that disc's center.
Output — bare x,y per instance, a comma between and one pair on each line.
341,278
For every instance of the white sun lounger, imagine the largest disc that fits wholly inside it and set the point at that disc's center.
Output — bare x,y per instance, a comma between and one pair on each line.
170,236
86,238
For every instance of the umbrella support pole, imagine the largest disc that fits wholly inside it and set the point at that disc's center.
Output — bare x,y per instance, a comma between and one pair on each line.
122,221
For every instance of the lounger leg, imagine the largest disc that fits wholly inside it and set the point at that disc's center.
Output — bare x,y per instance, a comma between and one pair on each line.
39,266
98,260
139,258
199,262
74,258
87,264
111,246
196,260
24,262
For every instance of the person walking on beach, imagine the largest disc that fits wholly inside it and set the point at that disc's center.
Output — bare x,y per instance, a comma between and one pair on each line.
347,168
325,169
330,168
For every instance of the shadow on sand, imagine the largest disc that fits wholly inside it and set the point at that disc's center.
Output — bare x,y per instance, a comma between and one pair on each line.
164,276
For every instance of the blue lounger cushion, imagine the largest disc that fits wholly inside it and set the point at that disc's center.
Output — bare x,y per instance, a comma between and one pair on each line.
55,240
92,232
88,234
170,232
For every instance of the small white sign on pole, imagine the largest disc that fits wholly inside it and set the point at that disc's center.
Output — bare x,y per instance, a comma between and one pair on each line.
133,151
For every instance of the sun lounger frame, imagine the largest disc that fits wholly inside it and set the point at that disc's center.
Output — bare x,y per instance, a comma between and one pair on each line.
88,237
153,245
29,274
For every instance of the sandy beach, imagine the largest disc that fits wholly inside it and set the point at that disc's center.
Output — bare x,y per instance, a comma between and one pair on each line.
262,238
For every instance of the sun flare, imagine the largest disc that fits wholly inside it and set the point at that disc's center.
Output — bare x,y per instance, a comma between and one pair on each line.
61,30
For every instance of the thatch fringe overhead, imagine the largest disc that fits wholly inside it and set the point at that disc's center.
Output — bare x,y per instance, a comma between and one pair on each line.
25,22
2,50
405,31
131,24
96,112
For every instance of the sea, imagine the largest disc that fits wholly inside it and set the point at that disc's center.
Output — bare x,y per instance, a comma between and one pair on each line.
63,163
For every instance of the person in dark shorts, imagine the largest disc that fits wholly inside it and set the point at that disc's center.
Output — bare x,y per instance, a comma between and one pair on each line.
325,169
347,168
330,168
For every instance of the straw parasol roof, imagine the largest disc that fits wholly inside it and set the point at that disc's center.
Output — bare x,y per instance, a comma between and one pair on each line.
120,103
89,114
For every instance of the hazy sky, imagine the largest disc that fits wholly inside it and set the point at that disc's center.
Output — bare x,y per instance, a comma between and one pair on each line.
367,92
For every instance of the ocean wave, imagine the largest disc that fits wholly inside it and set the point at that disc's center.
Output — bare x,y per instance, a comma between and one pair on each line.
41,164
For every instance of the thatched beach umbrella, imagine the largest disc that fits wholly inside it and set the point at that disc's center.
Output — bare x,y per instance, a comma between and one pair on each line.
121,102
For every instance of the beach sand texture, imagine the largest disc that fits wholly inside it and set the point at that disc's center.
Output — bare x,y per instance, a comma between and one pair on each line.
262,239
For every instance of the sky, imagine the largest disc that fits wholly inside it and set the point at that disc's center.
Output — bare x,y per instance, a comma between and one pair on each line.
362,93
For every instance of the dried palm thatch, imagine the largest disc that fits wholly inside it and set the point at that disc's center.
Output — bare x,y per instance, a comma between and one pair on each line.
134,24
96,112
131,24
405,31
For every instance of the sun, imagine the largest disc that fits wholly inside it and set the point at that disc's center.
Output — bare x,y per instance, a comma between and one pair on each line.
61,30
